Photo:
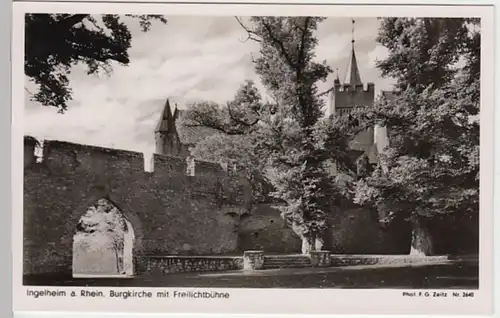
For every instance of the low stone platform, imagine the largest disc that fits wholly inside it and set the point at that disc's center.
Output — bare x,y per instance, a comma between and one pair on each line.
185,264
257,260
450,275
351,260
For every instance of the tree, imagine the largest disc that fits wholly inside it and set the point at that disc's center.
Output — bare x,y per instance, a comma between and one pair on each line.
289,135
103,220
431,167
54,43
234,143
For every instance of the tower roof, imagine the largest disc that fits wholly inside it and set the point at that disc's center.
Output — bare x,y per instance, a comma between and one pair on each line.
355,78
166,118
336,81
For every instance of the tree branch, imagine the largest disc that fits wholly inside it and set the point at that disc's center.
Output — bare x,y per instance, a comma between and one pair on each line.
219,128
280,45
302,41
298,71
325,92
251,35
238,121
70,21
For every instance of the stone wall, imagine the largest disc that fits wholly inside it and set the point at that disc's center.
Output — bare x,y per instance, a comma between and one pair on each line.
171,214
354,260
163,165
355,230
161,265
264,229
346,96
455,234
207,168
177,214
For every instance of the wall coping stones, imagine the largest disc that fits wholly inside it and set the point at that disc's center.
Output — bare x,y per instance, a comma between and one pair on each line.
184,264
189,257
350,260
388,256
254,260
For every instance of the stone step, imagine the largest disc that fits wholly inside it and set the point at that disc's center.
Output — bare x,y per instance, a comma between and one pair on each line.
286,261
286,257
285,265
463,257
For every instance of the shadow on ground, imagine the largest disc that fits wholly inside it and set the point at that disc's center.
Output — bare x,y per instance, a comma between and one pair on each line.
455,275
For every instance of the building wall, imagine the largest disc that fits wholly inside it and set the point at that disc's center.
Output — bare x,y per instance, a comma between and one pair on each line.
349,97
356,230
265,229
171,213
345,98
168,143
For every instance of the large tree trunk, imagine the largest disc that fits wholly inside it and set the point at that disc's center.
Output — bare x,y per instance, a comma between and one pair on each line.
421,241
311,244
306,245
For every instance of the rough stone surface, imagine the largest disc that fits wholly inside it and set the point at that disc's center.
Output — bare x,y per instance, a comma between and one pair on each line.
354,230
171,214
351,260
177,214
320,258
265,229
253,260
183,264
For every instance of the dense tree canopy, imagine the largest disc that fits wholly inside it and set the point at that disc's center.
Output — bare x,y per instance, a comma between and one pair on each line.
431,167
54,43
287,136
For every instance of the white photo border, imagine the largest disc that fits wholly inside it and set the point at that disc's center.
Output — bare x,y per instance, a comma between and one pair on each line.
268,301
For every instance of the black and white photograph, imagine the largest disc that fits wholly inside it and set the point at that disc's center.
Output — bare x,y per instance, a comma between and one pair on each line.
251,151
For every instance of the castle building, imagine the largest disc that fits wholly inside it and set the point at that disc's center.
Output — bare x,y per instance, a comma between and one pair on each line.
345,97
175,139
167,141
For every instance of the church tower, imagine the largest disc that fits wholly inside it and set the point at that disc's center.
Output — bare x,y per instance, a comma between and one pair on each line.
345,97
166,137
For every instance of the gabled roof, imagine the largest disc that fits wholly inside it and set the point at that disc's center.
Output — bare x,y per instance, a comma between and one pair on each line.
166,119
191,135
355,78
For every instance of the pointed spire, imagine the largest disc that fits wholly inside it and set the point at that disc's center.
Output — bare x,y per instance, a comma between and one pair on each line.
176,112
165,119
355,78
336,81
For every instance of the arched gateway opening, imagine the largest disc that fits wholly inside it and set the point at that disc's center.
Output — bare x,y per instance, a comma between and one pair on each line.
103,243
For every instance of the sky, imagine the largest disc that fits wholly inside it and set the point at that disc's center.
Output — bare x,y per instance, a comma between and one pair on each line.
189,59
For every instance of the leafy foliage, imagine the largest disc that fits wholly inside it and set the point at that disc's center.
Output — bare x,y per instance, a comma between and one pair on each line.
54,43
286,140
422,51
432,164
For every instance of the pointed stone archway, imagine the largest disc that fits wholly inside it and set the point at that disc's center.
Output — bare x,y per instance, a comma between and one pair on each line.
103,243
128,250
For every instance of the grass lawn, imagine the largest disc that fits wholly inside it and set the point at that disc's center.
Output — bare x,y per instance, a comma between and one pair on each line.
458,275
